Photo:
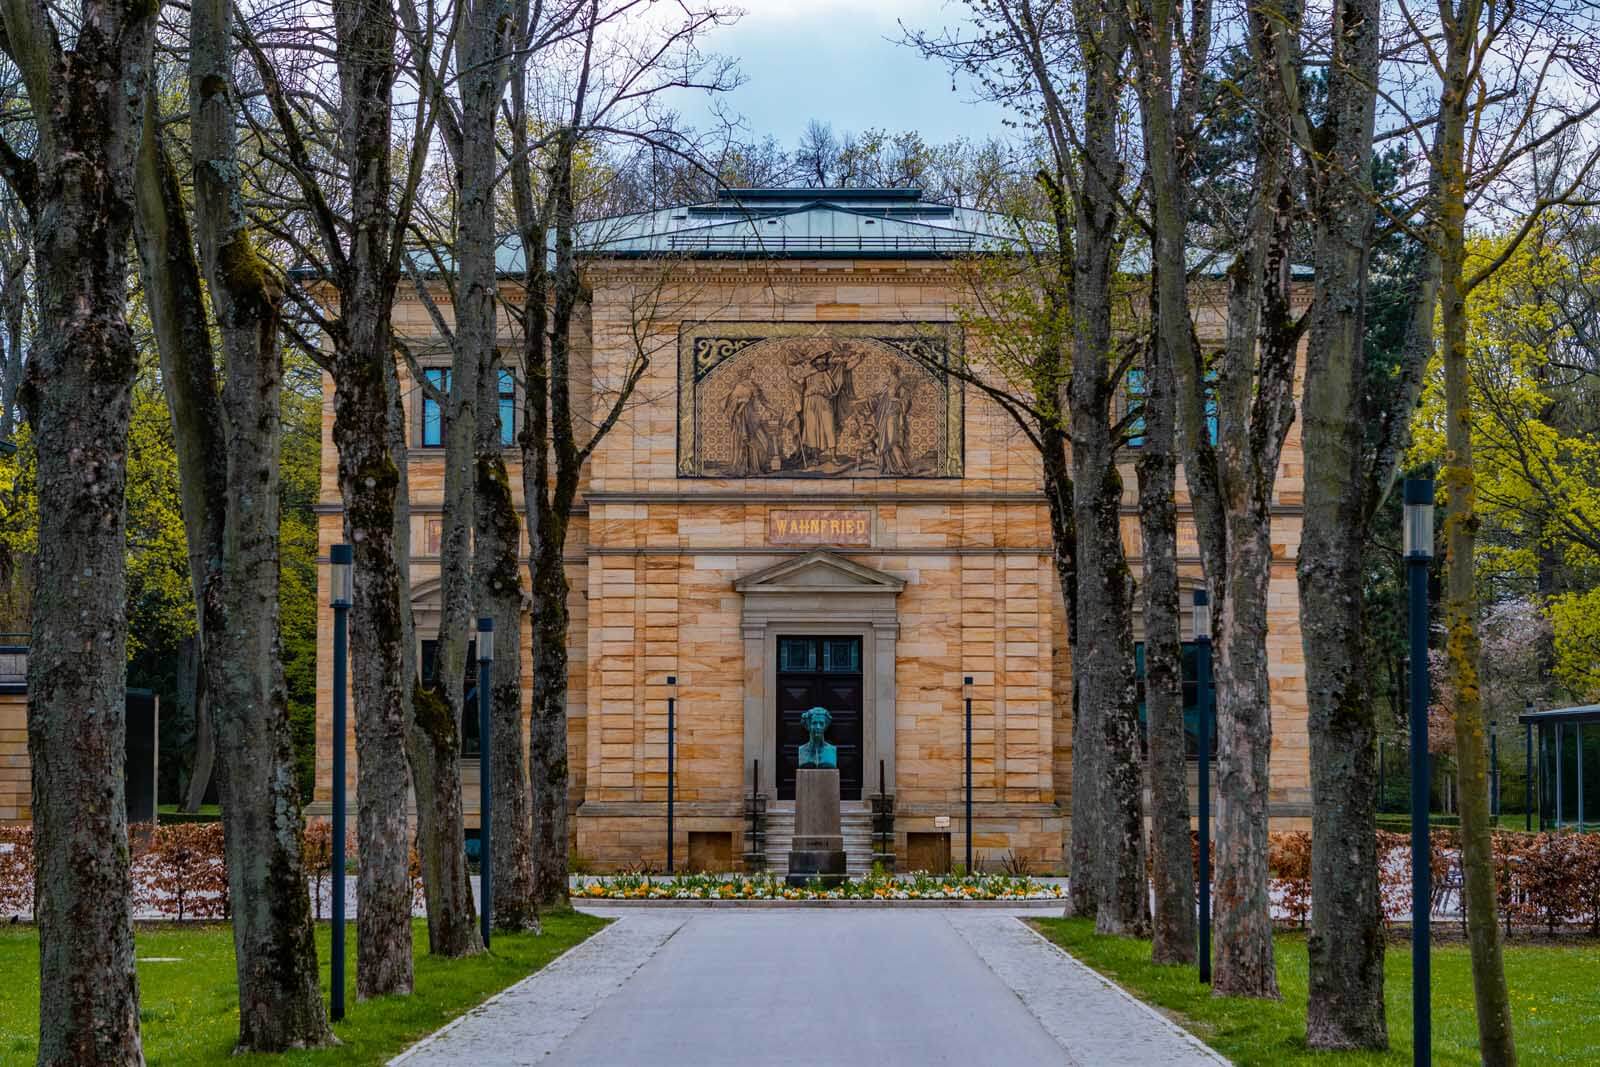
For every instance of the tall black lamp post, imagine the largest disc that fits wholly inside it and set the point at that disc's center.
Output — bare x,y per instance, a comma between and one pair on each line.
1202,655
1418,553
966,692
341,558
485,784
672,729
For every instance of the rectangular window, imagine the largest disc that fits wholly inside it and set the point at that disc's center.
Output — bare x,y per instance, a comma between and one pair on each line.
432,416
1191,698
508,408
841,656
1137,390
1211,403
797,654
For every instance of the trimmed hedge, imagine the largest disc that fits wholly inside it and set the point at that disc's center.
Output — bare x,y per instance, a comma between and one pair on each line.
1544,880
179,869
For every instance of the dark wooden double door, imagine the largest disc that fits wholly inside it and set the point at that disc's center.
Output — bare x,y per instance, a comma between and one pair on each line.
820,672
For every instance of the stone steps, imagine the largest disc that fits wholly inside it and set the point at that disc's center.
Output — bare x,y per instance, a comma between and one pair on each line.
855,826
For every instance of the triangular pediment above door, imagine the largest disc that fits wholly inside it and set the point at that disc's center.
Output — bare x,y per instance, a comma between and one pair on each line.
819,571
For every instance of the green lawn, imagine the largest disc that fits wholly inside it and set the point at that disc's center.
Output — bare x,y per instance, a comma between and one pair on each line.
189,1011
1555,994
205,809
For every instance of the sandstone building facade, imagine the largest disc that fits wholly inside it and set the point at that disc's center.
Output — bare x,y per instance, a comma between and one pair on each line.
799,509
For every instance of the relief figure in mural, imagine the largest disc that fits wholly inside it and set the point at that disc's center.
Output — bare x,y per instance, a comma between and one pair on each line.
812,400
826,394
755,444
893,414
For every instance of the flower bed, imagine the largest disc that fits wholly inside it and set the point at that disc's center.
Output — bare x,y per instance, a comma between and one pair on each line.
913,886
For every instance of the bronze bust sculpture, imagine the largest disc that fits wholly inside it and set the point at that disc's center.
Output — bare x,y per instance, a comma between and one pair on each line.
816,752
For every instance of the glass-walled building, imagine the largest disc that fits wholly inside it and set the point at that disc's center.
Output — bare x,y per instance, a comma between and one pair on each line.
1566,747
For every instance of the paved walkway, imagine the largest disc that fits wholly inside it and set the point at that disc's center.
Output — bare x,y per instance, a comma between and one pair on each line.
846,987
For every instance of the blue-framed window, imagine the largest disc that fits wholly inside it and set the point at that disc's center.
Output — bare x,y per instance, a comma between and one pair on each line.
1191,699
432,415
1211,403
1138,387
508,408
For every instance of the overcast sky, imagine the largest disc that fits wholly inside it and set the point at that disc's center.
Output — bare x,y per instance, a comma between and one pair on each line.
838,61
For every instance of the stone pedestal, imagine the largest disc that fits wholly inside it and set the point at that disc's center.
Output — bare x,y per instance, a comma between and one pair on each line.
818,847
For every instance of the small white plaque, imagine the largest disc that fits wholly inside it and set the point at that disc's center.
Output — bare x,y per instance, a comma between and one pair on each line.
941,822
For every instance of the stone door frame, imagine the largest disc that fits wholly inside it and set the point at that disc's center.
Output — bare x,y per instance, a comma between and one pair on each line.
819,594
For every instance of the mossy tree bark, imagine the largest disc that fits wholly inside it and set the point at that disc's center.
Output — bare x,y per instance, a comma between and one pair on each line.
360,262
484,59
433,735
1103,662
553,455
1345,1006
15,292
1231,485
1496,1041
280,1002
1171,860
497,568
228,449
87,103
1168,127
549,489
170,274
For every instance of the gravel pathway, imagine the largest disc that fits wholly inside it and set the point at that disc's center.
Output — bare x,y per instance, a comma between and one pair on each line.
801,987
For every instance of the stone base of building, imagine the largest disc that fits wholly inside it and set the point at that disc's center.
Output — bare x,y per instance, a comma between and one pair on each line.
709,836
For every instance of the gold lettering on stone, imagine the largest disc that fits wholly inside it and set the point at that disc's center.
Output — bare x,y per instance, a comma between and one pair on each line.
790,526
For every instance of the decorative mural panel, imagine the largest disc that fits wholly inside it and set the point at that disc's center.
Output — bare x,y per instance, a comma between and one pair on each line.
818,400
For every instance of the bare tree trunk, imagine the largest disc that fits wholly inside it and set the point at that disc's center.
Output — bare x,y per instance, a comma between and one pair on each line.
433,736
1232,487
171,277
205,743
1244,961
433,746
77,393
1105,609
1168,132
1496,1041
434,733
498,581
280,1003
369,481
244,701
1261,334
1345,1007
1082,886
1171,859
14,296
550,300
548,730
497,570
